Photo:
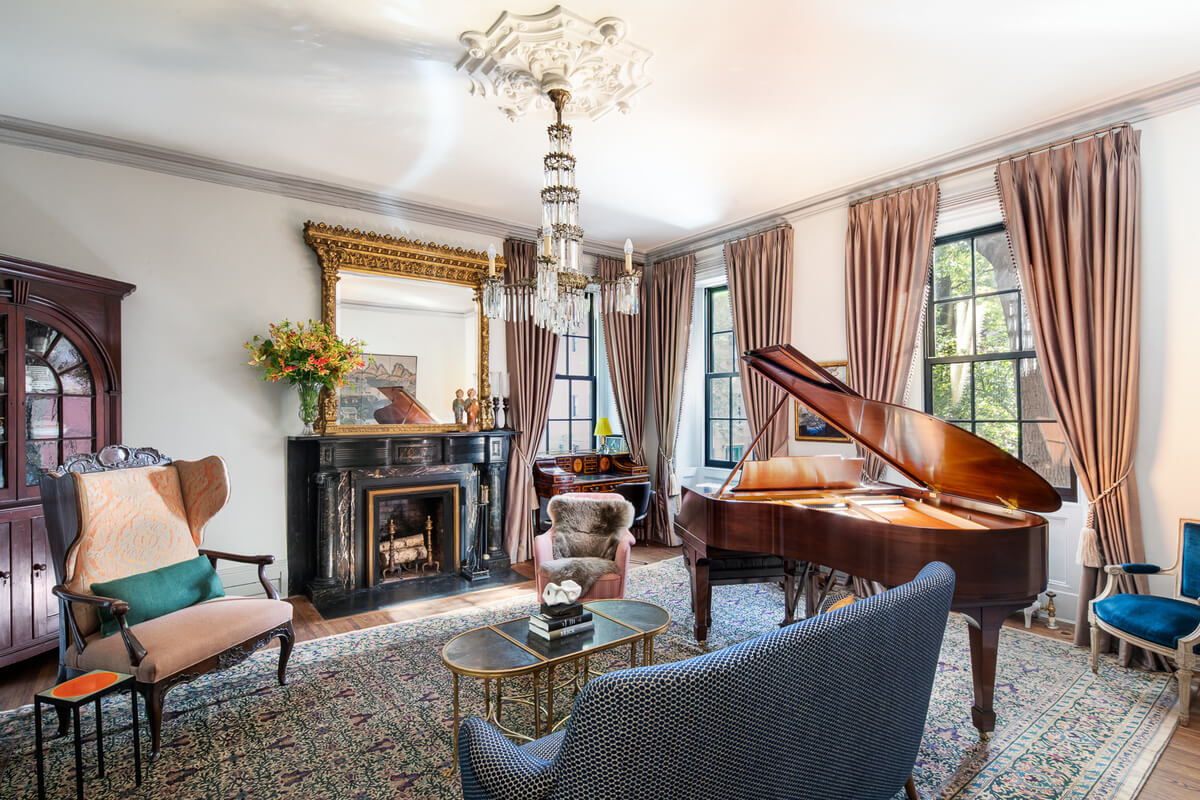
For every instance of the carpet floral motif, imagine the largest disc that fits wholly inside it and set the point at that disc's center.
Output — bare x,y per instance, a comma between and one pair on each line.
367,716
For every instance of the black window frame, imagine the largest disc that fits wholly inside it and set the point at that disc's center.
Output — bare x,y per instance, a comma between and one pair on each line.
710,376
1067,493
571,378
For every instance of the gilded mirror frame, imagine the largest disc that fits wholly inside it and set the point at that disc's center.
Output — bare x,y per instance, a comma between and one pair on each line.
340,250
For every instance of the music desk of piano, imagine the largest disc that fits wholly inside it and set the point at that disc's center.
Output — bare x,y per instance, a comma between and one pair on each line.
972,507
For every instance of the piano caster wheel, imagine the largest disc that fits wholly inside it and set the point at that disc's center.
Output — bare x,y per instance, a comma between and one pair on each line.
703,643
985,736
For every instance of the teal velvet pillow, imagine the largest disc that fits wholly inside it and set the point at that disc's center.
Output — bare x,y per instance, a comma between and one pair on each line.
160,591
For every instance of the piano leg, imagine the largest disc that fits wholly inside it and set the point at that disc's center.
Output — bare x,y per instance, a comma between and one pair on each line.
984,625
701,595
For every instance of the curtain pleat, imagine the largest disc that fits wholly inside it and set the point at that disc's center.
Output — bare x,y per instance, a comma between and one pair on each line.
760,290
672,286
1073,219
531,351
625,347
889,250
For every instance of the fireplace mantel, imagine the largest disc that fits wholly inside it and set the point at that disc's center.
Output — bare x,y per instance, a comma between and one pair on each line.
327,477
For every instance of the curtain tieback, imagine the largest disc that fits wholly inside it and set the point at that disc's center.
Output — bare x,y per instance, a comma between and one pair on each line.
1088,554
672,480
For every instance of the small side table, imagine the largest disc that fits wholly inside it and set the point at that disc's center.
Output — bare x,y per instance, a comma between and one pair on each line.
88,688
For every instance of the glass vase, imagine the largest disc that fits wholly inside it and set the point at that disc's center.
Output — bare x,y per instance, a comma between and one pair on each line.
309,391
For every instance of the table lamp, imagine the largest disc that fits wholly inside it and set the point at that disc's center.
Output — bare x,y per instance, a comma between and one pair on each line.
603,430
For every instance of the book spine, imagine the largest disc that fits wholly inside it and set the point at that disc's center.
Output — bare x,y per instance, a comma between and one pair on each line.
562,632
565,622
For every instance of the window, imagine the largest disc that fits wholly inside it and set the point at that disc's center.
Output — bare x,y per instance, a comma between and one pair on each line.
981,369
726,432
573,399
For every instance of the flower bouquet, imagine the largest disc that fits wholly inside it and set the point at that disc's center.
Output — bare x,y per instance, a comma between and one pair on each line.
309,355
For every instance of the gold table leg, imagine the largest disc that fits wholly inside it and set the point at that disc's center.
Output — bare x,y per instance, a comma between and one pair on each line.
537,706
454,766
633,653
648,651
550,699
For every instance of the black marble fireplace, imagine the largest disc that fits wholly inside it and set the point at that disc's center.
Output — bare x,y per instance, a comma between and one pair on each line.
378,520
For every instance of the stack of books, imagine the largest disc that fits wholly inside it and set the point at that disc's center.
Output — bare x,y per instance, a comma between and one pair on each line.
553,627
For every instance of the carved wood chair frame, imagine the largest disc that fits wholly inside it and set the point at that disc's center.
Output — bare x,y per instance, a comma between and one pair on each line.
62,524
340,250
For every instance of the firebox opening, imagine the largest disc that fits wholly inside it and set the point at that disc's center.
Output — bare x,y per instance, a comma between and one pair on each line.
413,533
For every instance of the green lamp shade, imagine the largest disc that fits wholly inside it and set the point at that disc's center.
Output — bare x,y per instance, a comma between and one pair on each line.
602,427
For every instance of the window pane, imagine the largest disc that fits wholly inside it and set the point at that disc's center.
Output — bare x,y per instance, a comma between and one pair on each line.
578,357
994,268
722,310
560,399
78,381
998,323
41,417
560,365
1045,449
966,426
996,390
735,392
952,391
38,337
718,397
1002,434
77,416
39,378
1026,329
722,352
3,331
64,355
739,439
75,446
952,269
718,440
1035,400
39,456
952,328
581,435
558,436
581,400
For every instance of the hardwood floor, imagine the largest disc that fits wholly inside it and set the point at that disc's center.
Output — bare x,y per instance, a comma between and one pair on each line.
1176,775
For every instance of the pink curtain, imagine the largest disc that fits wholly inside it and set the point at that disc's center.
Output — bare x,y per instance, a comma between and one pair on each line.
1073,217
670,296
889,250
760,289
625,346
531,351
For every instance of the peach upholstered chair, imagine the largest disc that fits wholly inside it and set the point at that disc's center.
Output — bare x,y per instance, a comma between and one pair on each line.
125,512
608,587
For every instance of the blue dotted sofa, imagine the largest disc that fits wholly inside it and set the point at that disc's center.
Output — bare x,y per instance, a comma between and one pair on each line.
749,721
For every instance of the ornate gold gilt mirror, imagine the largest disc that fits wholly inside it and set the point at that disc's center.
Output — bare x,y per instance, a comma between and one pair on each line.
416,305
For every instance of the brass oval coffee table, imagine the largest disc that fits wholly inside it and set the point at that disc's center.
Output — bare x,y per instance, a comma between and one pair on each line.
505,650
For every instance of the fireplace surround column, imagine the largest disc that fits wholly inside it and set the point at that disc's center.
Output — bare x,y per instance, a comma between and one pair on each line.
497,557
325,582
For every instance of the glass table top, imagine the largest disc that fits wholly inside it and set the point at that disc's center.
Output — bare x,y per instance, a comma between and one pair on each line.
509,647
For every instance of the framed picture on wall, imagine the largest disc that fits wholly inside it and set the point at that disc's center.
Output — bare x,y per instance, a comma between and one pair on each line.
384,392
809,426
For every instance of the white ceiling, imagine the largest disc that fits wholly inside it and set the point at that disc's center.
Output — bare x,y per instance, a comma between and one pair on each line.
754,105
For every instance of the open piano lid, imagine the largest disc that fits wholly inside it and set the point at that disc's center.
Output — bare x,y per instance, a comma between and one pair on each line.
931,453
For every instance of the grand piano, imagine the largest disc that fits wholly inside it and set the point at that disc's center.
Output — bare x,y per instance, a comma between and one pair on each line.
972,507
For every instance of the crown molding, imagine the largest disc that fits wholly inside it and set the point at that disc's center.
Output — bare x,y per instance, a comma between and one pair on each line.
97,147
1153,101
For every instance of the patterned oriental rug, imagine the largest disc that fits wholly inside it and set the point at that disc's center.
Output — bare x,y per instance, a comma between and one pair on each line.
367,716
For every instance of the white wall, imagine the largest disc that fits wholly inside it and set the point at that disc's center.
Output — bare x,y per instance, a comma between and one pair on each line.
213,265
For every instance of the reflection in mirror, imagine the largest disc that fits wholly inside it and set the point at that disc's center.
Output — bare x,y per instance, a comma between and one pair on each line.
424,340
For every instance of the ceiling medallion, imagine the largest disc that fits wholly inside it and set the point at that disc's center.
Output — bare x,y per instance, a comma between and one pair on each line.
521,58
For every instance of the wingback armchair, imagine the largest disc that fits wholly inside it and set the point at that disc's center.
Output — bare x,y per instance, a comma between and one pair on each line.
124,512
751,720
1169,626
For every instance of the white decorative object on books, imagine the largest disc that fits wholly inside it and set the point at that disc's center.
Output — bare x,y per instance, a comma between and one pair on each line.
561,593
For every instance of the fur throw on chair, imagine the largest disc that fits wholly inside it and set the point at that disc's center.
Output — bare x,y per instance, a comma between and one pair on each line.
586,534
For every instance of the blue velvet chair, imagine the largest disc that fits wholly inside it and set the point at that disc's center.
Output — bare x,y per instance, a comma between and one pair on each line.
749,721
1169,626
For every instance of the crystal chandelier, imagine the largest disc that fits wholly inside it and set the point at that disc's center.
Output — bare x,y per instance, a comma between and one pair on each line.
559,289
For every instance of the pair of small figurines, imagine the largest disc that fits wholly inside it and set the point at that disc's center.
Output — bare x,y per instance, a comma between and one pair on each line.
468,408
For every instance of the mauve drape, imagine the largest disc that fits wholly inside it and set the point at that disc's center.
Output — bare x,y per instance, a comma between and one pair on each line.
531,353
889,248
760,289
625,346
1073,217
672,286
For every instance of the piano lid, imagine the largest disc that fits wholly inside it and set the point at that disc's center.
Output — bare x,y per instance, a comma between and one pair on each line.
930,452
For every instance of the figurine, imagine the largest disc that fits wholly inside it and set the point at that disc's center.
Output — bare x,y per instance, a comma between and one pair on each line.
460,408
472,411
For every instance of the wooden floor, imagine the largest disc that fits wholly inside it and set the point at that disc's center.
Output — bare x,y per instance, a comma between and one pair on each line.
1175,777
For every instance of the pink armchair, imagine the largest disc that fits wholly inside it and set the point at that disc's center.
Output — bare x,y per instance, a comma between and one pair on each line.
608,587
